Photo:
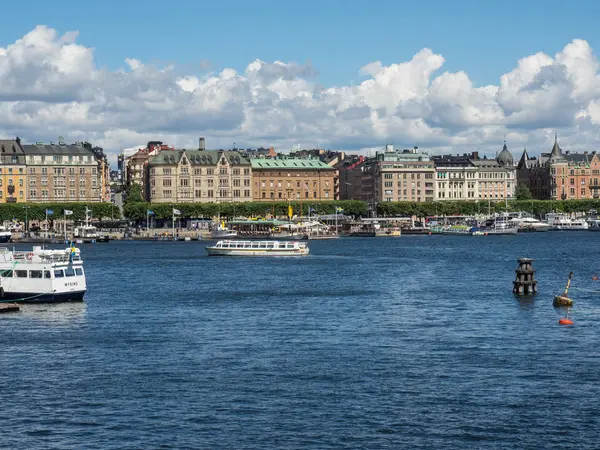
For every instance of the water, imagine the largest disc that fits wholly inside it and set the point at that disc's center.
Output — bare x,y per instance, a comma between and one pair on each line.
413,342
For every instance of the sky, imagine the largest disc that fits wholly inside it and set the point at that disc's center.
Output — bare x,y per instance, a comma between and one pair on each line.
447,76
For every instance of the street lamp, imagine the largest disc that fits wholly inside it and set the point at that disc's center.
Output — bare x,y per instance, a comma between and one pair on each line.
26,227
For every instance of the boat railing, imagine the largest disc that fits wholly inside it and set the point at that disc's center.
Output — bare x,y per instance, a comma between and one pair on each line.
34,258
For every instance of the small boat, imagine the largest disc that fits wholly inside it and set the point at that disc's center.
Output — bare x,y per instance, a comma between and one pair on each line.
499,225
223,232
462,230
5,235
258,248
41,276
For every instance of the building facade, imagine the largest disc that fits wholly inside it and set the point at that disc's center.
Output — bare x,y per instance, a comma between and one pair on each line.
471,178
176,176
62,173
13,172
404,176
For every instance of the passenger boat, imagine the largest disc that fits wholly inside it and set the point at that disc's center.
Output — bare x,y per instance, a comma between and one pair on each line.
462,230
499,225
41,276
257,248
530,224
562,222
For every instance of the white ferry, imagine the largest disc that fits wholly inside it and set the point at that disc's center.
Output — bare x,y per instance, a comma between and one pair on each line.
41,276
258,248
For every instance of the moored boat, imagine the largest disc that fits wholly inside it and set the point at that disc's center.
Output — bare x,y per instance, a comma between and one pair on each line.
258,248
41,276
223,232
5,235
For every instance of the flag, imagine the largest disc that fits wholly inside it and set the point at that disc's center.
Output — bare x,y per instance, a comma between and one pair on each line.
68,212
150,212
338,209
176,212
290,211
49,211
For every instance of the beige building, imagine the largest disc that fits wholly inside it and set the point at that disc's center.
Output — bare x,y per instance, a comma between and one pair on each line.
180,176
13,172
293,179
63,173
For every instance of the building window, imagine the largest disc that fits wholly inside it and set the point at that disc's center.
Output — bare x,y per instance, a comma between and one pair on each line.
167,182
210,193
184,182
198,193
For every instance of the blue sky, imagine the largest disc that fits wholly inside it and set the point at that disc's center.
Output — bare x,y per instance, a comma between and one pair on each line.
55,84
484,38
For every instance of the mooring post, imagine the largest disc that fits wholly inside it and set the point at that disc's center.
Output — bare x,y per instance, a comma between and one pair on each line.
525,283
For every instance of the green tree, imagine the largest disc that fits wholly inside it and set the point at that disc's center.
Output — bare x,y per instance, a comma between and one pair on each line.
134,194
522,192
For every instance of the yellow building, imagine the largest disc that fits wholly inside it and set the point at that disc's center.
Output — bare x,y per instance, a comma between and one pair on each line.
13,173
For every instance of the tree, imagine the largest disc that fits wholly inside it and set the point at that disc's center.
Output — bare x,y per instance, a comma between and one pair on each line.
522,192
134,194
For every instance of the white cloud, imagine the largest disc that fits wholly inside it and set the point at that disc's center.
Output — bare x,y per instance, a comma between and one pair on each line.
51,86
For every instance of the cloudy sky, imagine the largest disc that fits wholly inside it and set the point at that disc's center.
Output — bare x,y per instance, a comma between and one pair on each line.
446,76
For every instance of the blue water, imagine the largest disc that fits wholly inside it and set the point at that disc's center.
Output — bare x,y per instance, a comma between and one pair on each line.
411,342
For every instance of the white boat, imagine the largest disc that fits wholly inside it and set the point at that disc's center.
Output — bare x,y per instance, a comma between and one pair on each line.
530,224
499,225
88,234
561,222
41,276
222,232
594,224
5,235
258,248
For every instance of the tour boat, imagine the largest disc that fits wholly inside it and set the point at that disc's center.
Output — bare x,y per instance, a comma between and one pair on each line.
41,276
462,230
499,225
258,248
562,222
530,224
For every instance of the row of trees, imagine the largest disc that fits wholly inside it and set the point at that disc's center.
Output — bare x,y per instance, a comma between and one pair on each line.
37,211
138,210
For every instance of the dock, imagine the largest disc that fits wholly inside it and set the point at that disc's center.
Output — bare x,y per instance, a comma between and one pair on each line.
9,307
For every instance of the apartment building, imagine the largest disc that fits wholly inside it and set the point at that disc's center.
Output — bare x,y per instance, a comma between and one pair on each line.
13,173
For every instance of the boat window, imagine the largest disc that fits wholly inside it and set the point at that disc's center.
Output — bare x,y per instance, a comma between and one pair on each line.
78,271
21,273
59,273
47,274
7,274
70,272
35,274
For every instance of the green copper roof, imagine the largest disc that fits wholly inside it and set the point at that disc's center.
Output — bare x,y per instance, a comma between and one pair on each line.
288,163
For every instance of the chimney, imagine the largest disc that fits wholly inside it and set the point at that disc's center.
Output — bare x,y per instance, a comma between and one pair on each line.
475,155
201,144
18,140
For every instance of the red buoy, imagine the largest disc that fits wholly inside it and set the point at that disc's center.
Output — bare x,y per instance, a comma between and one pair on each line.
565,321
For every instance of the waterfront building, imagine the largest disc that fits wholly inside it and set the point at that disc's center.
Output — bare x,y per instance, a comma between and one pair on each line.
199,176
406,175
135,166
561,175
64,173
285,178
472,178
13,173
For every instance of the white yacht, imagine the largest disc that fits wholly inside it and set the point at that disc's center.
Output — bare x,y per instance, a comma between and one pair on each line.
258,248
530,224
562,222
41,276
499,225
594,224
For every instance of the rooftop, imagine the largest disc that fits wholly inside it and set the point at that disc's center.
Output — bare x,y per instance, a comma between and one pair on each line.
56,149
289,163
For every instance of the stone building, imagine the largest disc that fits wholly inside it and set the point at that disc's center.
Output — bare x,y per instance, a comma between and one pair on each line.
63,173
284,178
404,176
180,176
13,173
472,178
561,175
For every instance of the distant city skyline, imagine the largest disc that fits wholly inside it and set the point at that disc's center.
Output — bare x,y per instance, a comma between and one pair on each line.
449,77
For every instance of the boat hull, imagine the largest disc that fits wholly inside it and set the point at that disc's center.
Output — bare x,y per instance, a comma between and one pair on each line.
213,251
5,238
48,297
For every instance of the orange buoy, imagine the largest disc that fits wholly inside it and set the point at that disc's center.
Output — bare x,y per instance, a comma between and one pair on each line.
565,321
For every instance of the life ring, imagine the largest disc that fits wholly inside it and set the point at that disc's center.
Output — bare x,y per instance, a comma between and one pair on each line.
29,256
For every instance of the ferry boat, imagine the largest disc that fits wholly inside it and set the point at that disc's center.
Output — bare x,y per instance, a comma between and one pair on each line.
257,248
561,222
41,276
